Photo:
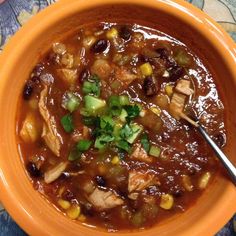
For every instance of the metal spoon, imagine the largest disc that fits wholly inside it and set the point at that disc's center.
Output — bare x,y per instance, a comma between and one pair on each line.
223,158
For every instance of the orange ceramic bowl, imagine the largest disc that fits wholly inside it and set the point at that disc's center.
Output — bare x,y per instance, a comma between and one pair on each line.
177,18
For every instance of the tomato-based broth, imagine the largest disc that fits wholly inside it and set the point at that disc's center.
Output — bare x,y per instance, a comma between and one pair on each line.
101,130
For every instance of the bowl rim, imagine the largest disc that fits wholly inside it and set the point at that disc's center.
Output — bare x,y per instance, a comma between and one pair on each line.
44,19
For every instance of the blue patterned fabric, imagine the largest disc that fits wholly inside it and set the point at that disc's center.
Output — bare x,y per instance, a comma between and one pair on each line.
8,227
14,13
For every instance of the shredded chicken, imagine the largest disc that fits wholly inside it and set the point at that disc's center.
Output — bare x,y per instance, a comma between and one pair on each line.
55,172
177,104
50,134
69,76
138,181
102,200
184,86
133,196
140,154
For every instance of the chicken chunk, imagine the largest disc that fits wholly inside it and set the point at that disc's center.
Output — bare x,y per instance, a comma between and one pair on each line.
184,86
140,154
177,104
138,181
55,172
124,75
102,200
101,68
50,135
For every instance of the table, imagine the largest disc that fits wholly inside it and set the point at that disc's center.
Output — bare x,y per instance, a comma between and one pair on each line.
14,13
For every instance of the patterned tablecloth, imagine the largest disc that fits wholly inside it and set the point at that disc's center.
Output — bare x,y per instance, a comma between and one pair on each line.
14,13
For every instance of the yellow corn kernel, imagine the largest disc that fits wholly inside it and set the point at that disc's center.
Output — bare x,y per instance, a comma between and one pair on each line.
167,201
169,89
187,183
115,160
112,33
82,218
73,212
146,69
156,110
204,180
64,204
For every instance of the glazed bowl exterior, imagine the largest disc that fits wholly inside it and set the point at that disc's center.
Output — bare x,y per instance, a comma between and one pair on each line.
175,17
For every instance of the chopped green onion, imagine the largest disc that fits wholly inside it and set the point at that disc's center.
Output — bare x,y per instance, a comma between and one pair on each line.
136,130
145,142
126,132
137,219
74,154
67,123
106,121
92,86
83,145
124,145
114,105
154,151
182,58
123,115
124,100
103,140
90,120
130,132
70,101
92,105
116,131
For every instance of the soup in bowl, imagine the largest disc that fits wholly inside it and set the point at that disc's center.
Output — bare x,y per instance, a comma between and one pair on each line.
97,115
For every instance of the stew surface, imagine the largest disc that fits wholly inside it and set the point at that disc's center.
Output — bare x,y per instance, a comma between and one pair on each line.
100,128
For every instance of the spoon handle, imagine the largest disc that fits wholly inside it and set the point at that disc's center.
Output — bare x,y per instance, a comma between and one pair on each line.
225,161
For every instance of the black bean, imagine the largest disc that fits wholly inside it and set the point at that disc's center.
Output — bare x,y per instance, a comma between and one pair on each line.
28,90
68,195
100,181
84,75
142,58
38,69
87,209
150,86
125,33
163,53
176,72
35,79
64,176
177,191
99,46
54,58
33,170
